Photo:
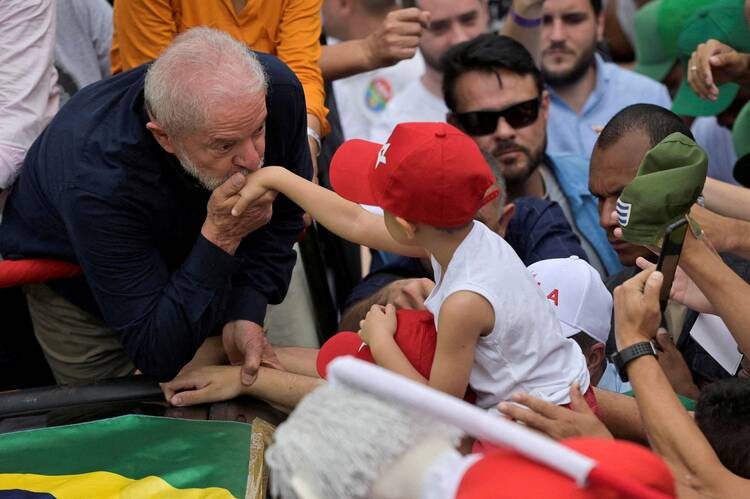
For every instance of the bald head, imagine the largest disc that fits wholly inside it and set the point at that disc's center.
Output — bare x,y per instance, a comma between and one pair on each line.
202,67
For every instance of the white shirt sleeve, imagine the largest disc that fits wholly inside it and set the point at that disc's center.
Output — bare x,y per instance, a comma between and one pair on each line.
28,92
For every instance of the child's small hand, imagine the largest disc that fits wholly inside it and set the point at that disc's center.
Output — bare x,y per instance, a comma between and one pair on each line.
253,191
379,320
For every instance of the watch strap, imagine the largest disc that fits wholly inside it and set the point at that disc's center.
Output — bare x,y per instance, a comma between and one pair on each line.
627,355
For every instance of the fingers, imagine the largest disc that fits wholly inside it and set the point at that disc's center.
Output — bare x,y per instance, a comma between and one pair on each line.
168,393
190,397
664,341
644,264
231,187
412,15
577,401
537,405
184,383
525,416
390,311
652,287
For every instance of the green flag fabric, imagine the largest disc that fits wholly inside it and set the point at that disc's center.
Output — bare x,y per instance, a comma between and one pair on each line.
128,456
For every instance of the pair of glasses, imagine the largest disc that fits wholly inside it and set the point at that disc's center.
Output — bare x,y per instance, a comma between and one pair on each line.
485,122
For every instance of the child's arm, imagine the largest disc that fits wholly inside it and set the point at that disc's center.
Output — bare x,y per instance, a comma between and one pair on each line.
464,316
217,383
342,217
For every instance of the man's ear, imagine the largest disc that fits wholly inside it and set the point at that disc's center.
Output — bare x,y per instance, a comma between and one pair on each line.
600,26
544,106
410,229
161,136
505,218
595,356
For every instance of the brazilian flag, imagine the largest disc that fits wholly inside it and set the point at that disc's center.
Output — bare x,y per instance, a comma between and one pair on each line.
128,456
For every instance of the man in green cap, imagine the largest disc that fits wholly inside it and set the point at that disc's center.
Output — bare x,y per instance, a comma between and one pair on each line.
617,157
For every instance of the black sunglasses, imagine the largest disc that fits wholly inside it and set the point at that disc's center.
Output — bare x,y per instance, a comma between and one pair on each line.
485,122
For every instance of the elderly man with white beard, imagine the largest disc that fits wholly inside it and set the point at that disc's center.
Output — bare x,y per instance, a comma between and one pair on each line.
134,181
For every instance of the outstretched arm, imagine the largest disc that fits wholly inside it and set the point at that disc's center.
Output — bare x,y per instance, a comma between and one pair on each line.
216,383
671,430
345,219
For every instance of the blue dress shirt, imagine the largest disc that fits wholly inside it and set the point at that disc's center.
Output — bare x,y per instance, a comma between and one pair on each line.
569,132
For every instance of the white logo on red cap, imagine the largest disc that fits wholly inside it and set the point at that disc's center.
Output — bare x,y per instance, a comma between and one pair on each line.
381,154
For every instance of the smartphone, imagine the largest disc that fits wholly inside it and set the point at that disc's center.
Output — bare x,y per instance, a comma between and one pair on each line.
669,257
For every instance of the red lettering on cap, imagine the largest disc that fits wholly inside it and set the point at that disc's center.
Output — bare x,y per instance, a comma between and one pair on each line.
553,296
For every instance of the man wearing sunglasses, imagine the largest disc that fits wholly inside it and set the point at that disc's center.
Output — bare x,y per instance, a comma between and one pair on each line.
494,93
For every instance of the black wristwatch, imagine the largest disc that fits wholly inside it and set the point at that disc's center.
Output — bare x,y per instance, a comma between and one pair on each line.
624,356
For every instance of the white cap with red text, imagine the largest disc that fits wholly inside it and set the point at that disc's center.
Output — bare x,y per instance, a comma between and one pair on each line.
578,295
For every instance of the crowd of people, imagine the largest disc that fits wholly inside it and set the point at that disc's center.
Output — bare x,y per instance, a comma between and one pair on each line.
512,175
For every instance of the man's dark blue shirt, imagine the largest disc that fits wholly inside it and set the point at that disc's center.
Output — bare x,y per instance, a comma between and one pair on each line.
98,190
537,231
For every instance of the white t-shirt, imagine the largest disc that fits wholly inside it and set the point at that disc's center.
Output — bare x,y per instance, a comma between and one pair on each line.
414,104
526,350
361,99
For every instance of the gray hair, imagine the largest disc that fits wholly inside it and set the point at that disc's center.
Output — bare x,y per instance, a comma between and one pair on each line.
199,67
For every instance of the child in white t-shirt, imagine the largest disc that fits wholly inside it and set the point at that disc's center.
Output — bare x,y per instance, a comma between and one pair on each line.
495,331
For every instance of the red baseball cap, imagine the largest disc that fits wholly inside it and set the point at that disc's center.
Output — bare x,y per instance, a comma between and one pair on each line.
430,173
416,336
623,471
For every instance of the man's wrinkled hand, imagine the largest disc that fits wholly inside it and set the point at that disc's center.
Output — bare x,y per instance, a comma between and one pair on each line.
246,345
408,294
223,228
398,37
556,421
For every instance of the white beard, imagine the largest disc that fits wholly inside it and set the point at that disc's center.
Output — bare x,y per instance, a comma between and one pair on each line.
207,181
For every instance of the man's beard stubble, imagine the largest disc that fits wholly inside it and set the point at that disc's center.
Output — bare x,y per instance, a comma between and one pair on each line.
517,177
574,74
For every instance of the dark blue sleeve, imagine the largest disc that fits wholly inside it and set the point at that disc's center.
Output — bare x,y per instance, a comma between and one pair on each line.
161,317
266,254
540,231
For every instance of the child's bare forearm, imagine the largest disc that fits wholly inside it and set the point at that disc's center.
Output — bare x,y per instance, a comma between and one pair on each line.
344,218
388,355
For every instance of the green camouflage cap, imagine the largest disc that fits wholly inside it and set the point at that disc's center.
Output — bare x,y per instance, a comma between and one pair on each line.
669,180
741,140
723,20
651,58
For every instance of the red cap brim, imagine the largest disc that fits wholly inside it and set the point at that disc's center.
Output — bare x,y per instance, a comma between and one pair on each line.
350,170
